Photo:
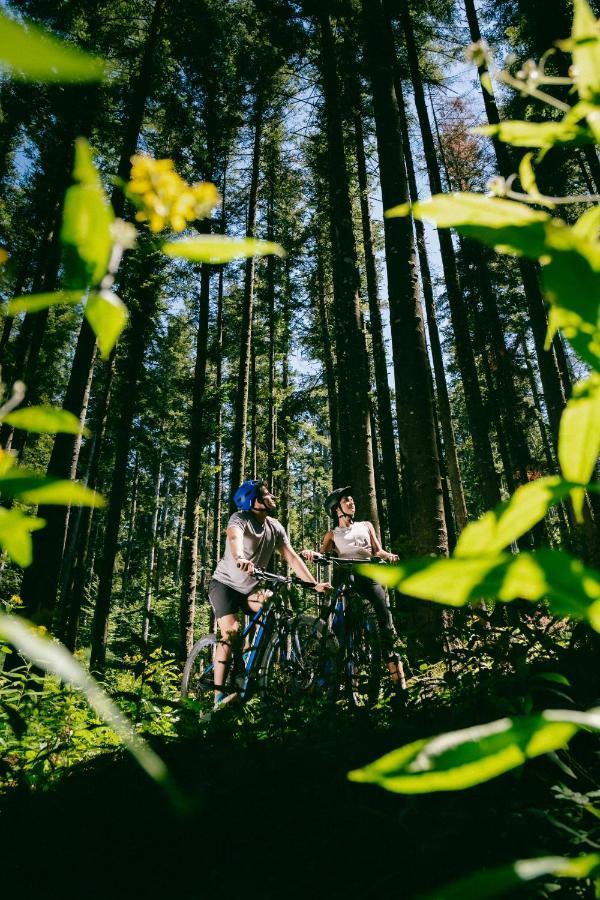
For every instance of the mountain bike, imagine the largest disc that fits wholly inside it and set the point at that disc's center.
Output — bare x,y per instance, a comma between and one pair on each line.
356,667
281,655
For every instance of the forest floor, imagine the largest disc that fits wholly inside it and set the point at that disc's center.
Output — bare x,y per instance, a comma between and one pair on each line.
271,813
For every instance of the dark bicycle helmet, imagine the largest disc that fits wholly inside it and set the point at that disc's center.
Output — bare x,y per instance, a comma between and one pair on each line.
333,499
246,494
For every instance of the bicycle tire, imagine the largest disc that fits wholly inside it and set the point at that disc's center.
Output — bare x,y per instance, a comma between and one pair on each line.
362,656
197,682
296,662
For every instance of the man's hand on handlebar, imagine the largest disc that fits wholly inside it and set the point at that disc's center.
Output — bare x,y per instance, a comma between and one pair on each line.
246,565
323,586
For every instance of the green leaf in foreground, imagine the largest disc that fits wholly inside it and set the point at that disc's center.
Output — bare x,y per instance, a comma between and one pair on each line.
507,226
504,879
538,134
45,420
30,54
55,659
27,487
86,227
570,588
107,315
586,51
579,435
462,759
509,521
15,535
35,302
215,248
571,281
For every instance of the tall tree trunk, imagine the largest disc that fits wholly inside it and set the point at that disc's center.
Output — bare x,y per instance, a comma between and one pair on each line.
197,438
352,363
329,367
450,455
142,322
554,392
391,475
151,556
488,477
238,464
270,290
414,401
40,583
132,525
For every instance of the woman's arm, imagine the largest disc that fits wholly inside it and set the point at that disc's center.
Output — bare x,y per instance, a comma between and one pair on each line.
377,549
326,545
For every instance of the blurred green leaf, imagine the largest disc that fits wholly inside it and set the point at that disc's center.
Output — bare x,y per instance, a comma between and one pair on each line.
571,281
585,38
507,226
21,484
570,588
497,529
528,182
501,880
35,302
15,534
45,420
55,659
461,759
215,248
579,435
538,134
86,227
30,54
107,315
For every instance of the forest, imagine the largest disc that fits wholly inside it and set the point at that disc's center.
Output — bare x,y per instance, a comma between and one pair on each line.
300,247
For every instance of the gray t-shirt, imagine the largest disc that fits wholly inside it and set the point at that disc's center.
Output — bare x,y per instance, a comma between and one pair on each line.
259,542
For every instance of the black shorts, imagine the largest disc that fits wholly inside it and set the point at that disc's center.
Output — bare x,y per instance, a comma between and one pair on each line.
225,600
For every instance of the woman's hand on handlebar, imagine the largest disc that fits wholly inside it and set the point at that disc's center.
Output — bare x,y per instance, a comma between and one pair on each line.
246,565
308,554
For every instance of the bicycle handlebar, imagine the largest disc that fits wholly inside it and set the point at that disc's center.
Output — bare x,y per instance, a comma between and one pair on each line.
263,575
341,560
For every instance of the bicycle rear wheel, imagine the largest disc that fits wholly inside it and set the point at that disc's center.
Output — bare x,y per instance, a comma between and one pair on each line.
300,662
363,659
197,682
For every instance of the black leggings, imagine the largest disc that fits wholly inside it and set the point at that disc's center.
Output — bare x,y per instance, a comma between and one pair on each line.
377,596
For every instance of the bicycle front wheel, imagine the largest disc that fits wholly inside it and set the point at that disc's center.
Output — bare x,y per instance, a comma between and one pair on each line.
300,662
363,659
199,672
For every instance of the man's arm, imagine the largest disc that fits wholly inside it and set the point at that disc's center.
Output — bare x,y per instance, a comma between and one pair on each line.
300,569
235,536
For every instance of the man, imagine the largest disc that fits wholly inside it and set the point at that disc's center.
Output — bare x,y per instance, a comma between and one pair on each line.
252,536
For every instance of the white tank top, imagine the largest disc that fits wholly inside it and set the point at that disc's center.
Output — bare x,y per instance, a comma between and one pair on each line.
353,542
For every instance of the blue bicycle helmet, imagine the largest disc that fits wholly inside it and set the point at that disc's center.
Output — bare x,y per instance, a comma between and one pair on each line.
246,494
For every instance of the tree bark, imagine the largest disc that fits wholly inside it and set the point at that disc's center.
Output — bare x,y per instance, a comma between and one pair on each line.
238,464
391,475
352,364
142,322
488,477
554,391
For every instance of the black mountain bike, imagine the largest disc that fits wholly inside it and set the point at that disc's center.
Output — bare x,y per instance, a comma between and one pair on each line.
281,659
355,666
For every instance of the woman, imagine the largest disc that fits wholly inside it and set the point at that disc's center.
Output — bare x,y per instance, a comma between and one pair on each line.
358,540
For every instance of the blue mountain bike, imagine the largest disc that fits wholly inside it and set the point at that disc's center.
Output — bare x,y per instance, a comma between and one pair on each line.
352,663
282,656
